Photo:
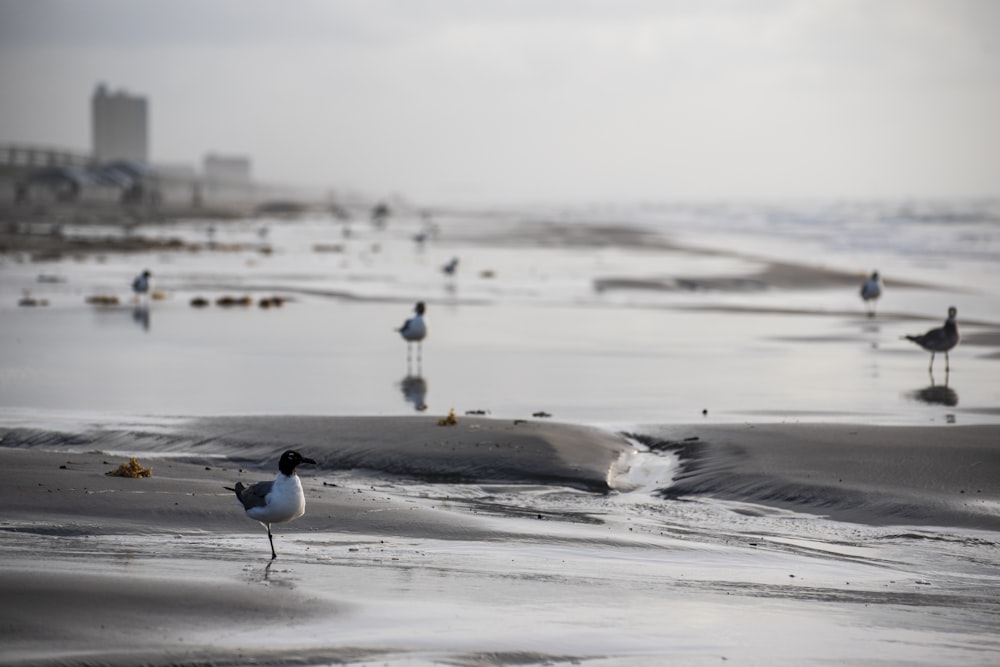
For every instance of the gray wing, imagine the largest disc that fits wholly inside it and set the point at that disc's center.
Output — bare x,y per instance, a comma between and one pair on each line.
253,495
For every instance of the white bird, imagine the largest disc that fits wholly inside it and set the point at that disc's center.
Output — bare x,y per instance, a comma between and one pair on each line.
278,501
941,339
414,330
871,291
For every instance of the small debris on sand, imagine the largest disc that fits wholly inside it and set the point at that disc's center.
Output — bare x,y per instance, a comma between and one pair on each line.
229,301
131,469
271,301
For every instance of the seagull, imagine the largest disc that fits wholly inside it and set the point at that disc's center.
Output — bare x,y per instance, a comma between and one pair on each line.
140,284
278,501
414,330
871,291
941,339
450,267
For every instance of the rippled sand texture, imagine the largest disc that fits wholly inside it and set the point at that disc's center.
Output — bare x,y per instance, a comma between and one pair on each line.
459,545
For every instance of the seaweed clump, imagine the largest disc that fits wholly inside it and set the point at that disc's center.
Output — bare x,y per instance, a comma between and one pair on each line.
131,469
450,420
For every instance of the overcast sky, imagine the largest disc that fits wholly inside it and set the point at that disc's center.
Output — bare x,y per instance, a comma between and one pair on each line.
511,101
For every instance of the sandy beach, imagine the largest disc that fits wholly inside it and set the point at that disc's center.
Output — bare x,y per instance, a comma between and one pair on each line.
396,562
668,449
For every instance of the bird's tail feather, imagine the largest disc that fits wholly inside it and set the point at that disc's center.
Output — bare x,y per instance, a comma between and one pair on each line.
238,489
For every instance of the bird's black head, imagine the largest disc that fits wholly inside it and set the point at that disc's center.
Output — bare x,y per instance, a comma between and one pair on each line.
875,275
290,459
420,308
146,273
952,312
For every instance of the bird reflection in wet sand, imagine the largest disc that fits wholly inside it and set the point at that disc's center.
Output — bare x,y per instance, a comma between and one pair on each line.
414,391
936,394
140,315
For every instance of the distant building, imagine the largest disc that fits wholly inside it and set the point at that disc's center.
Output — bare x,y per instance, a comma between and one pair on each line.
120,124
227,182
227,170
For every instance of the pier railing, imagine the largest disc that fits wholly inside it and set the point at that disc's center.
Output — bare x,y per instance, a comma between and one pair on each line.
22,155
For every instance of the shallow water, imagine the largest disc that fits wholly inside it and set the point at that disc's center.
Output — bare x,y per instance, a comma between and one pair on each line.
533,336
593,365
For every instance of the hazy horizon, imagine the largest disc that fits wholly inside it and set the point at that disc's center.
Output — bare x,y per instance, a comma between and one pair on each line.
449,101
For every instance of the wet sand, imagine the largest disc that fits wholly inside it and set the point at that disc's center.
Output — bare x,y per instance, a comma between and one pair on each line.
411,568
864,474
197,464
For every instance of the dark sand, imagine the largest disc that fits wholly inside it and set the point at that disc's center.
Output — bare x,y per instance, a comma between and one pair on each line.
876,475
70,493
420,560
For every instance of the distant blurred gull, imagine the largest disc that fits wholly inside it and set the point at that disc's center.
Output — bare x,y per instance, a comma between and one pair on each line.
450,267
414,330
871,291
941,339
278,501
140,284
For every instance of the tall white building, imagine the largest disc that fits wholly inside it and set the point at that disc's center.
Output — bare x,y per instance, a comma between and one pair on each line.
120,124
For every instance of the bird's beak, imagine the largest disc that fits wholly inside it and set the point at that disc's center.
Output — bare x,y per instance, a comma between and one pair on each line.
305,460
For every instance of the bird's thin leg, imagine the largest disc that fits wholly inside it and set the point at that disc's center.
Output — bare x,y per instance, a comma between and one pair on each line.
270,539
947,363
931,369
